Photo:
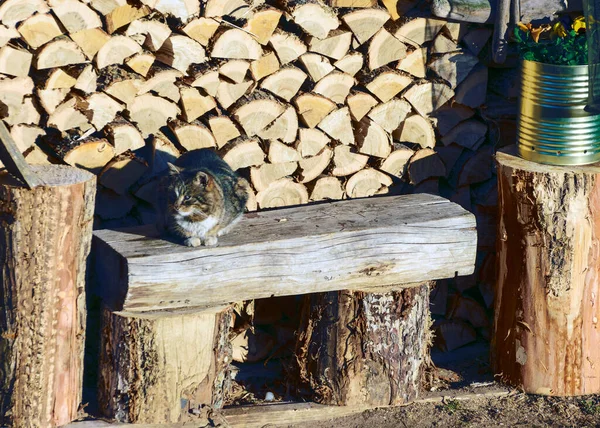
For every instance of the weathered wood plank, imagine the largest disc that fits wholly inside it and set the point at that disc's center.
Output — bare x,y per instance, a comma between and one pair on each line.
317,248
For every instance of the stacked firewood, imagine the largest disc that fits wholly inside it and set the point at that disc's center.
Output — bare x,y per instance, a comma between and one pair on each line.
309,100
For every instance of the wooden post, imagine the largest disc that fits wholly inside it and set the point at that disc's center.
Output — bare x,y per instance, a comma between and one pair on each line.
45,236
365,349
547,330
155,367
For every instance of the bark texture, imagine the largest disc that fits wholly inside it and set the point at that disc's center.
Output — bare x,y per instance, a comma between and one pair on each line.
154,368
365,349
45,236
546,334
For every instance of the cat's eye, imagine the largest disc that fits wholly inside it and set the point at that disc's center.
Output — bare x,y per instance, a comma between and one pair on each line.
186,198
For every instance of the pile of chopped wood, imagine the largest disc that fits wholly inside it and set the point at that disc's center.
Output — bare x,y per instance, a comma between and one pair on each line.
309,100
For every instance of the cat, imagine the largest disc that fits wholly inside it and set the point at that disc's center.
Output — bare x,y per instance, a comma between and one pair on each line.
200,198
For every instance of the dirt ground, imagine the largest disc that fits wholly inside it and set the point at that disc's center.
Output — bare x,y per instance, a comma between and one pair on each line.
514,410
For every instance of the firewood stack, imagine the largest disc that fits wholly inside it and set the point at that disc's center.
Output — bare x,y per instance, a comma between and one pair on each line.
309,100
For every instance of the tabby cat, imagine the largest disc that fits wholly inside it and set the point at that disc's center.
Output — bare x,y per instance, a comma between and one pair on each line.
200,198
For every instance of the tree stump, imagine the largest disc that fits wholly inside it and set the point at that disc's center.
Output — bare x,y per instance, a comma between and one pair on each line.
155,367
45,236
360,348
547,334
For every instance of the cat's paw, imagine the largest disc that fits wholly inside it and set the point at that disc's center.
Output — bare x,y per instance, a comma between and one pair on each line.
194,241
211,241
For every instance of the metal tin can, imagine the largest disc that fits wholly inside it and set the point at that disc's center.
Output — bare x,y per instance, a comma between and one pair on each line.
553,126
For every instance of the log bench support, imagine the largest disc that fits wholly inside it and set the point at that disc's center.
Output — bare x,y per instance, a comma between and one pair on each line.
370,342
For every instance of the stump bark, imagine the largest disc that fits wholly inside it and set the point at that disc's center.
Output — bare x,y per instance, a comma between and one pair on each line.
546,333
360,348
45,236
155,367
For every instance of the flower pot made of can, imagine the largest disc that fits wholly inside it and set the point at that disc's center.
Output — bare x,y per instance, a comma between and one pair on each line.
553,126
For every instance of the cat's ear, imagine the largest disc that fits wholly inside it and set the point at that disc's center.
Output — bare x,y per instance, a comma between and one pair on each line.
173,170
203,180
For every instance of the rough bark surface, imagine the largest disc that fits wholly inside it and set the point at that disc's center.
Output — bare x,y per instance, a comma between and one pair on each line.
45,236
154,368
362,348
546,334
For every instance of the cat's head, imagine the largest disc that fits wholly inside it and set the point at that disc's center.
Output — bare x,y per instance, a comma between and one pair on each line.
193,195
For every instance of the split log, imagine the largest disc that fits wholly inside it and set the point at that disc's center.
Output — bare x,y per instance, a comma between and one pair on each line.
59,53
195,104
359,104
150,113
127,89
124,136
229,93
91,154
39,29
102,108
338,126
367,182
110,205
87,81
192,136
223,129
365,23
50,98
476,39
263,24
397,162
124,15
180,52
353,3
376,359
15,11
26,136
116,50
217,8
13,92
287,46
76,16
141,63
467,309
15,62
346,162
268,173
313,167
189,353
285,83
155,33
256,115
351,63
284,128
444,45
390,114
26,113
388,84
327,188
315,18
454,67
428,97
311,142
472,92
335,46
243,153
43,317
59,79
265,66
383,49
235,70
313,108
182,9
414,63
282,193
200,29
163,151
425,164
316,65
452,334
469,134
121,173
419,31
90,41
418,130
335,86
547,280
236,44
447,117
7,34
67,116
372,139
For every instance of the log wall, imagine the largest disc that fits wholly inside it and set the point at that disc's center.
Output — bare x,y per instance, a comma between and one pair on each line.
309,100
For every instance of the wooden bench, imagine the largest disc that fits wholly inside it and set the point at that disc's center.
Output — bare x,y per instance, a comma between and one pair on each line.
166,301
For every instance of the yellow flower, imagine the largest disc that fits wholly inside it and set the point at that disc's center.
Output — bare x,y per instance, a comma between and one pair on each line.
523,27
559,29
579,24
